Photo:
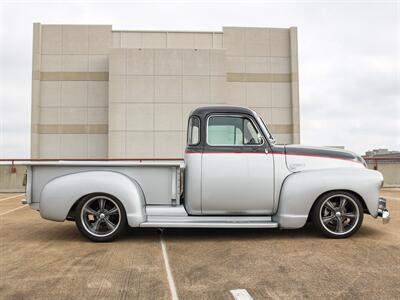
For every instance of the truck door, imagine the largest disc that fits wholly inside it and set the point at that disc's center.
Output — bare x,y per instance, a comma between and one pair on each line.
237,171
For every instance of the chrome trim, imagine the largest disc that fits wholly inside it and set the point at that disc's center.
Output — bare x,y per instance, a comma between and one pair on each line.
383,212
172,217
382,203
202,224
101,216
187,134
265,130
338,215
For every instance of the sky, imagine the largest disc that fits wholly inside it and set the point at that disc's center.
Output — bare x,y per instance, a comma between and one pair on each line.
349,59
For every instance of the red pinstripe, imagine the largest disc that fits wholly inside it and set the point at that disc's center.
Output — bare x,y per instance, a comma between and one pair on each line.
279,153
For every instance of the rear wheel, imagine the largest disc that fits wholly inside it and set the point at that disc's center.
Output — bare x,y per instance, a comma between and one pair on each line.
338,214
100,217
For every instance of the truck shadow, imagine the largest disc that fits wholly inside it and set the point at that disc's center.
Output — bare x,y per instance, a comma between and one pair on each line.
204,234
238,233
68,232
214,234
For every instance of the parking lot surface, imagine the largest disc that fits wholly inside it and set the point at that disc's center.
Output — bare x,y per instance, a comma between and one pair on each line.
41,259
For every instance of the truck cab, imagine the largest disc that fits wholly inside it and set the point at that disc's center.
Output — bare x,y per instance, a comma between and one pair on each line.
228,147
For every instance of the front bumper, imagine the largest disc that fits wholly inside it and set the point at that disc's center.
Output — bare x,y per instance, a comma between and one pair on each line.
383,211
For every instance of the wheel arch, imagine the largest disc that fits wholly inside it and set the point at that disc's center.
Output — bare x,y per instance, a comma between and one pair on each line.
359,197
301,190
60,197
71,213
354,193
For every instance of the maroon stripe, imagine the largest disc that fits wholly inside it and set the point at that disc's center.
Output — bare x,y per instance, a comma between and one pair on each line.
226,153
278,153
320,156
86,159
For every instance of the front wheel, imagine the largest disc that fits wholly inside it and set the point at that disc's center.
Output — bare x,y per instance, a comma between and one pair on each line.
338,214
100,217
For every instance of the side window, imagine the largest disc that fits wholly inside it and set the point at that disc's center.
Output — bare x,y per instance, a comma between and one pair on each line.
232,131
193,135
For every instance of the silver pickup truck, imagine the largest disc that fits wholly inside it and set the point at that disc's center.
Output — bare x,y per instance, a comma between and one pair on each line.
233,175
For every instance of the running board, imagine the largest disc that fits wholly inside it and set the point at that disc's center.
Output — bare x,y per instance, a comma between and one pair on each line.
213,224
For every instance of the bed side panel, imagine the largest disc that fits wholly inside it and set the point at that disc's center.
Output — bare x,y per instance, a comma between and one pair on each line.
60,194
155,181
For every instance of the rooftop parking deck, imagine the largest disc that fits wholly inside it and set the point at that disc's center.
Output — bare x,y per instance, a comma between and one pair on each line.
41,259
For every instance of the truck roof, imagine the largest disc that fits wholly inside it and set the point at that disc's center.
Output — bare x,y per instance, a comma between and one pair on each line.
206,110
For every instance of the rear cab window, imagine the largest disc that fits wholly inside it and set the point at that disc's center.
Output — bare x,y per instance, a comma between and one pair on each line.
193,134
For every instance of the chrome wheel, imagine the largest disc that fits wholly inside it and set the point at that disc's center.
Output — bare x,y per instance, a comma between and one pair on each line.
339,214
101,216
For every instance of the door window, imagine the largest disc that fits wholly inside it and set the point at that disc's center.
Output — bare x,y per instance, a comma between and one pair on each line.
232,131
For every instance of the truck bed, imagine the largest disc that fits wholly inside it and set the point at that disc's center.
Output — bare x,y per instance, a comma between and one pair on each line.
160,180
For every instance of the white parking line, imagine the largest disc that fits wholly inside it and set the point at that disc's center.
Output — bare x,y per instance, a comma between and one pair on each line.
170,277
12,197
241,294
11,210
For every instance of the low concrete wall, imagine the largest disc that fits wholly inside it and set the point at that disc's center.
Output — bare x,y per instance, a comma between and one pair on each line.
390,172
11,181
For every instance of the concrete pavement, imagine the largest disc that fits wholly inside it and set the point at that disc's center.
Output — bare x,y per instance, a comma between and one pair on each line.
41,259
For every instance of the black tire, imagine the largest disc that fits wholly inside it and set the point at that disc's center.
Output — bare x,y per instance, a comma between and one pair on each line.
337,214
96,214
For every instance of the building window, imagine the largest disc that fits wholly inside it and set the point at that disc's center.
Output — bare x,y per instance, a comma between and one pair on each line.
232,131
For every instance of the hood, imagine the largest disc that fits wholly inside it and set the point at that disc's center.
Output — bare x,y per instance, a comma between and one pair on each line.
300,157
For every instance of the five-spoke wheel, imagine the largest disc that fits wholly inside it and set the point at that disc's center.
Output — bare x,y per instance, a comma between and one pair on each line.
338,214
100,217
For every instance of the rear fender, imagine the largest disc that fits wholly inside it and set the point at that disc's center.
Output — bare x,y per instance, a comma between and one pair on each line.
300,190
60,194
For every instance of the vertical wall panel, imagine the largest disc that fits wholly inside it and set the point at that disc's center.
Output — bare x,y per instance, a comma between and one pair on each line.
266,52
152,103
64,56
154,80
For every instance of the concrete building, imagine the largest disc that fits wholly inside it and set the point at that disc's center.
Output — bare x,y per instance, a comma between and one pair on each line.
387,162
104,93
12,178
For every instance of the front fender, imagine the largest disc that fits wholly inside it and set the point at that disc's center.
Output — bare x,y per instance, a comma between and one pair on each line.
300,190
60,194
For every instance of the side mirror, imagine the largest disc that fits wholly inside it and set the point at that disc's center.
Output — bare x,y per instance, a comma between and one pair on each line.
260,139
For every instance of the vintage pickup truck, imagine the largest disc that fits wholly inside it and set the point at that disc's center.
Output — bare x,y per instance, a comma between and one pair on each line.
234,175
